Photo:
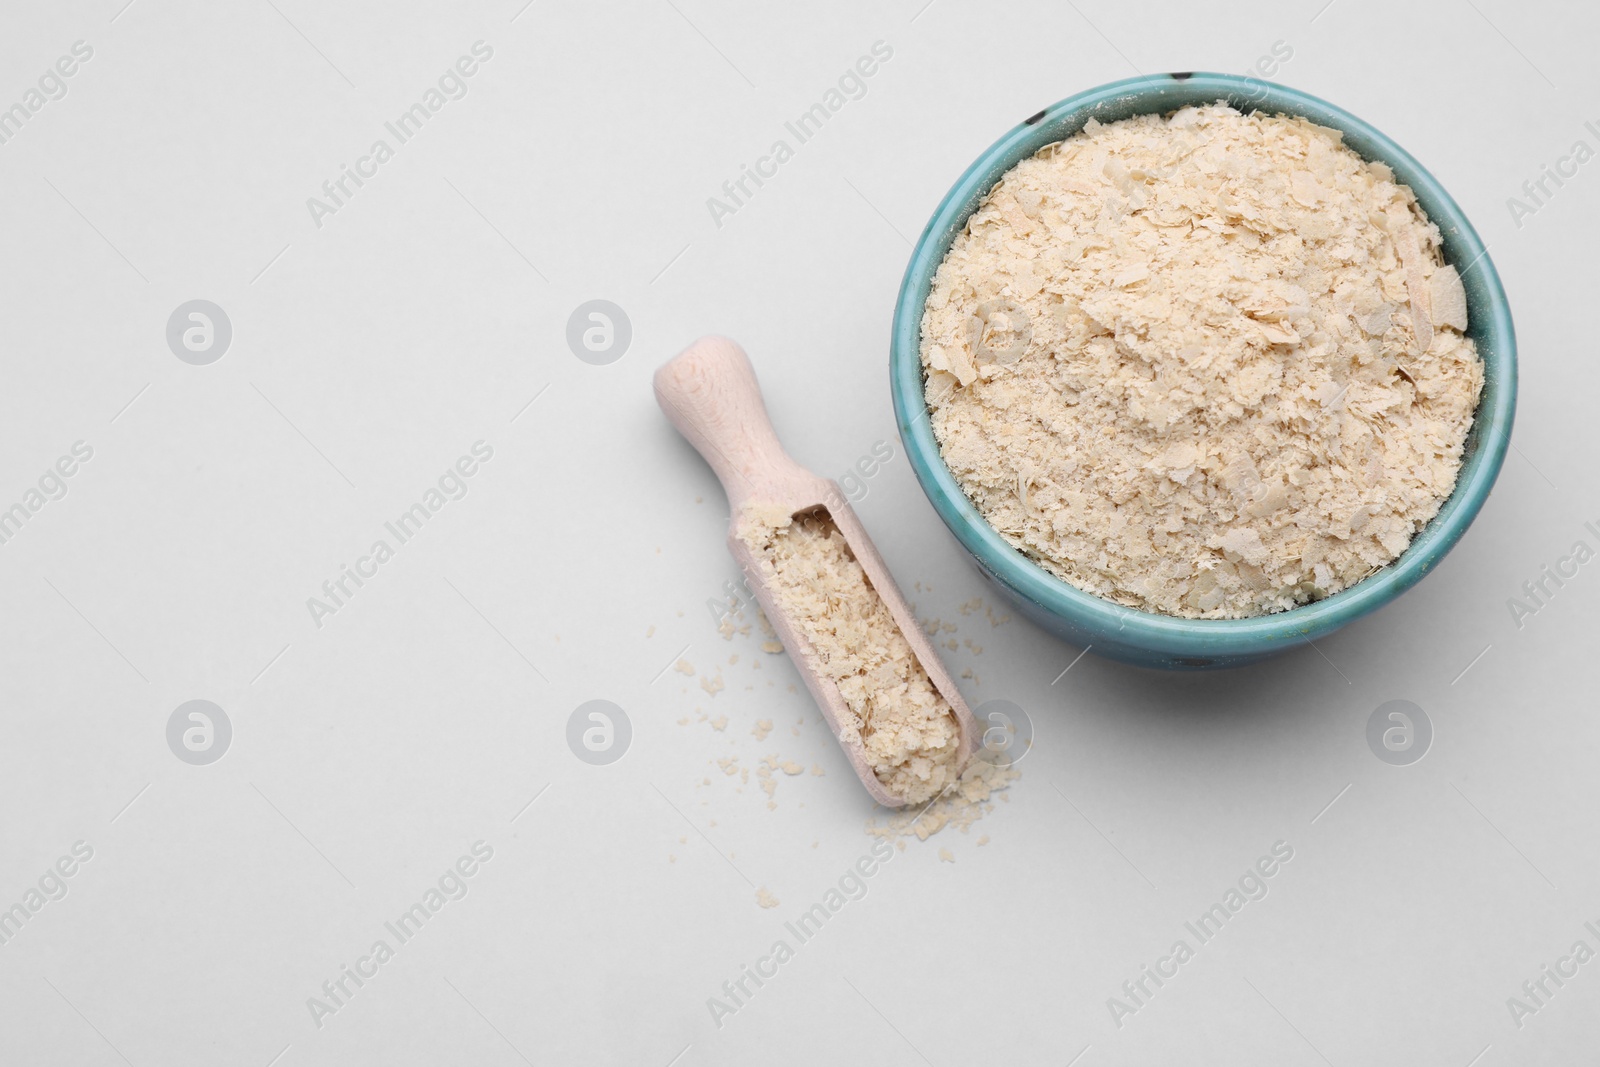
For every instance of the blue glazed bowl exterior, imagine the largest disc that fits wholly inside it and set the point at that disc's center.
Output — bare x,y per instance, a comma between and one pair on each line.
1143,638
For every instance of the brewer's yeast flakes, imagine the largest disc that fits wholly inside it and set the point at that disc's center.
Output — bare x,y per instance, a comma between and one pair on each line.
1206,364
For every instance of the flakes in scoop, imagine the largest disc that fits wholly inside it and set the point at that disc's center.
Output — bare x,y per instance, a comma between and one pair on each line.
907,730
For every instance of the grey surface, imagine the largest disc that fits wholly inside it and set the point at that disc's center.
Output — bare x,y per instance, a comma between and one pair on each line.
431,312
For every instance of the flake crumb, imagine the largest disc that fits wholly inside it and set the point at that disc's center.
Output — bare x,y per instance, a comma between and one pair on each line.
765,898
946,856
762,728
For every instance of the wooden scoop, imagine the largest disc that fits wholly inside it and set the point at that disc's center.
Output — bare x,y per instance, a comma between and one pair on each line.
709,392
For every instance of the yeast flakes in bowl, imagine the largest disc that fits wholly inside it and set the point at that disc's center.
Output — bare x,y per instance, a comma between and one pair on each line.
1199,383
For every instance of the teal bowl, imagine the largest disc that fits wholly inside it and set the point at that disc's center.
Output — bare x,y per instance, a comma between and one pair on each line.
1144,638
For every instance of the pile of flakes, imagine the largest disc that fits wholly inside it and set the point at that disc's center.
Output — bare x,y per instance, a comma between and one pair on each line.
906,728
968,800
1209,364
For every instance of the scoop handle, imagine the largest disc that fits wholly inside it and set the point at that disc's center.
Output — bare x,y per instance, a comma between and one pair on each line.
710,394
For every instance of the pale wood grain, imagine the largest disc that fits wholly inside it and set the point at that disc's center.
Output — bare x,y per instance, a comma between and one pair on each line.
709,391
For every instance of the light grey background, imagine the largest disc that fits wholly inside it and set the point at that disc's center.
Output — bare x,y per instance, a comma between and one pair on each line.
368,754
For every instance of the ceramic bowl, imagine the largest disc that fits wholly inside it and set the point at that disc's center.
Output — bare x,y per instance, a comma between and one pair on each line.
1165,641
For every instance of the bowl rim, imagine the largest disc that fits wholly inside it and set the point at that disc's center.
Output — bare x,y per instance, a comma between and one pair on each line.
1487,440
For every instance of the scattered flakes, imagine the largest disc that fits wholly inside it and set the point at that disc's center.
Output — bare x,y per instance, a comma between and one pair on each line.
984,840
727,763
816,769
790,767
684,721
651,633
1221,373
772,647
711,685
762,728
765,898
946,856
720,723
683,666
